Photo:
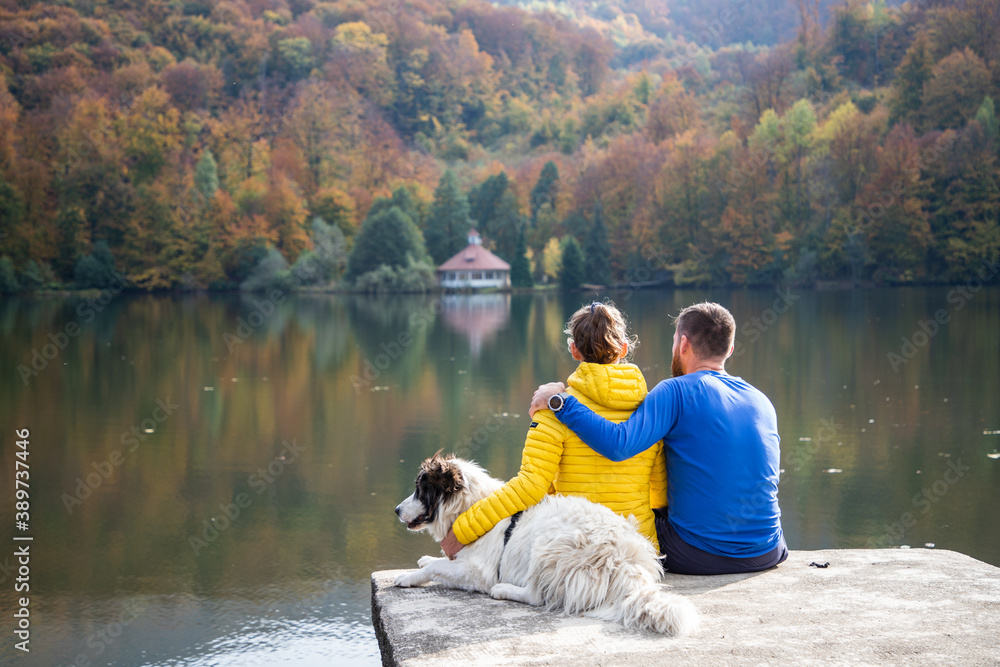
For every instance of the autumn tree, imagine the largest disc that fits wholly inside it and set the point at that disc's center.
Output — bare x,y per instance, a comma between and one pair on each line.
362,55
191,85
892,210
965,198
798,125
955,90
150,133
287,214
764,76
335,207
672,112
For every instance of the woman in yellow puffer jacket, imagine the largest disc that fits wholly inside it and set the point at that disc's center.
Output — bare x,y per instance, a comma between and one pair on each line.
555,460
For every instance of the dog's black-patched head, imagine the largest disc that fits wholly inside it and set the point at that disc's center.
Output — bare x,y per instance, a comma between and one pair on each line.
439,478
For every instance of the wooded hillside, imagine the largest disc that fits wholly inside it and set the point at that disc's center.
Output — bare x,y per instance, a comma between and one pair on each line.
188,143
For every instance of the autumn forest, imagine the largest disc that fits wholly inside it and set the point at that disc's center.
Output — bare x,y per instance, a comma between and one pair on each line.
245,143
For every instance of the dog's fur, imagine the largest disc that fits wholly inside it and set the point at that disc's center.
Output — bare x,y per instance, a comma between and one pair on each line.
564,553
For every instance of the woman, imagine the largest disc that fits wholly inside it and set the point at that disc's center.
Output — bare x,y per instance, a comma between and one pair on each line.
555,460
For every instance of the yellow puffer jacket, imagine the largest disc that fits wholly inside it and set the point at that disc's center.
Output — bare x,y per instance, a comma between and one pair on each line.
555,460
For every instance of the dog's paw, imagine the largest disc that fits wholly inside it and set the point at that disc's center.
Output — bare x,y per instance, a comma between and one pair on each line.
408,580
426,560
504,591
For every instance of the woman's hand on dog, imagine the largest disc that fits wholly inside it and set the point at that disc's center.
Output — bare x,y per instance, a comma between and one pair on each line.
450,545
540,401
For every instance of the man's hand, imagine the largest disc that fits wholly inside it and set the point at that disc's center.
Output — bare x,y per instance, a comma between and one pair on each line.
540,401
450,545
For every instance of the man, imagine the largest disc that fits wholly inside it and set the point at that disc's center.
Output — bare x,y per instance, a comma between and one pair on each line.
720,437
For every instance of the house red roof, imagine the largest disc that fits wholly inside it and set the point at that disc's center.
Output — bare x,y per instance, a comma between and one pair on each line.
475,258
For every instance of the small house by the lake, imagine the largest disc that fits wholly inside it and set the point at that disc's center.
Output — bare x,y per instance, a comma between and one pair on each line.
474,267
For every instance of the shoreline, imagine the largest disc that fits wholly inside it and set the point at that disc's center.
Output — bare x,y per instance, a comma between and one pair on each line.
819,286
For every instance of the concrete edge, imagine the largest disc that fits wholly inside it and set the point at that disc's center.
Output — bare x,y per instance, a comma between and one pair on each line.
385,647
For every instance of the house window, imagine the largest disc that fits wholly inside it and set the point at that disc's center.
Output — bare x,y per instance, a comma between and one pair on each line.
488,275
477,275
463,276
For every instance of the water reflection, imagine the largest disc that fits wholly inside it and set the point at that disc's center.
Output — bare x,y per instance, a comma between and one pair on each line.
367,387
478,316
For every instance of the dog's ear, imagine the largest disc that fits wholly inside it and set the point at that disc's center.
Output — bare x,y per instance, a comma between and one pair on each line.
443,473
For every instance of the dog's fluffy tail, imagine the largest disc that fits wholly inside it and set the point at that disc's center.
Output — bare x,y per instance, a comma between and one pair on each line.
649,607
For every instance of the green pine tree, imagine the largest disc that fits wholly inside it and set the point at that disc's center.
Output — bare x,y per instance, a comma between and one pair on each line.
546,189
505,227
448,223
389,237
70,226
8,280
597,250
402,199
913,72
571,274
484,203
520,269
206,175
12,215
987,118
31,276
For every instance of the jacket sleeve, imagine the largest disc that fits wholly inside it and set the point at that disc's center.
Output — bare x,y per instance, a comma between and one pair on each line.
658,479
543,449
650,422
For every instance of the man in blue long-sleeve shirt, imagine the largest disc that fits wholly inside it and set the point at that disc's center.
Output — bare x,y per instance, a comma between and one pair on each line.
720,438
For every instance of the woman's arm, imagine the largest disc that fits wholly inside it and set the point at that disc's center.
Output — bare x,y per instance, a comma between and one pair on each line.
650,422
543,449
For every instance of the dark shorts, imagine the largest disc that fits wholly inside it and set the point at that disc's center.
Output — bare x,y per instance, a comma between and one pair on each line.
682,558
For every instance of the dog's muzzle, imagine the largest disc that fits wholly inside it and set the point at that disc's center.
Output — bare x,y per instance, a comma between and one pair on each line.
415,523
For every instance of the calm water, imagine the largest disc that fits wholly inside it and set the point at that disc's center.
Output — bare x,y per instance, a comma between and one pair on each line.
310,419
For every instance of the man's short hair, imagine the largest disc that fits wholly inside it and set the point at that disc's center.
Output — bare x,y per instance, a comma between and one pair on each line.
709,327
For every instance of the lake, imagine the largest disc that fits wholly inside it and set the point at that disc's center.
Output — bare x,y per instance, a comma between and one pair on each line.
213,476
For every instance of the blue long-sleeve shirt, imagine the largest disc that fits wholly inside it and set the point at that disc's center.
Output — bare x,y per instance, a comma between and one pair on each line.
721,441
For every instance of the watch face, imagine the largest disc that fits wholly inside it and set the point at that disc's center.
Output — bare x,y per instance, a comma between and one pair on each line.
556,402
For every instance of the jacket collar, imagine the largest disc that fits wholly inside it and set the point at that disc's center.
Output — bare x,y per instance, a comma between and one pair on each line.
615,386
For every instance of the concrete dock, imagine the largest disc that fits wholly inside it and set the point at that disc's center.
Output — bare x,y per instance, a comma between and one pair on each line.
885,606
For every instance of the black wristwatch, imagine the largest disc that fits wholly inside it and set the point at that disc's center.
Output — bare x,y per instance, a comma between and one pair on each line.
557,402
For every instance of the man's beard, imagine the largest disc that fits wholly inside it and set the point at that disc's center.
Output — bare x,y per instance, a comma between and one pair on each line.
675,366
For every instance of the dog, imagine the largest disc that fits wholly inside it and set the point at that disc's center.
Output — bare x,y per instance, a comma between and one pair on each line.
565,553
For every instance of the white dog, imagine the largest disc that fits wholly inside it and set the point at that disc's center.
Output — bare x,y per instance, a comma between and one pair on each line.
564,553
